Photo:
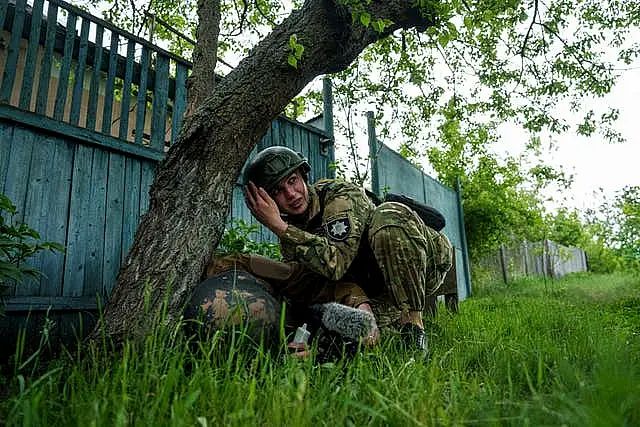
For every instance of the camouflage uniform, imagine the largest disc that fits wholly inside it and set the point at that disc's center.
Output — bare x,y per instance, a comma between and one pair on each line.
289,281
387,250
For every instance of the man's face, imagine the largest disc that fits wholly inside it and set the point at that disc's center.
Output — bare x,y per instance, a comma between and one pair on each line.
291,195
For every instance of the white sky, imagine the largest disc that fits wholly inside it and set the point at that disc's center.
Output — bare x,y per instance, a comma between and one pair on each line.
594,162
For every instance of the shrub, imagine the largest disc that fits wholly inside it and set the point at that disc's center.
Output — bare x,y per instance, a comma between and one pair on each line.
239,238
18,242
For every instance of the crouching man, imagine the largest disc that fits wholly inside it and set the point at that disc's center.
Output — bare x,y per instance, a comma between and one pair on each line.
334,230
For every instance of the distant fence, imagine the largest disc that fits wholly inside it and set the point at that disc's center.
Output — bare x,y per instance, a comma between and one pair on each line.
392,172
545,258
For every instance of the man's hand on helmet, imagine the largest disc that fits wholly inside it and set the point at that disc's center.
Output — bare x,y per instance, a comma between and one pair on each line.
264,208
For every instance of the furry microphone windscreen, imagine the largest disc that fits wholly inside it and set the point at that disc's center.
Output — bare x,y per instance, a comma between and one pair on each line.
348,322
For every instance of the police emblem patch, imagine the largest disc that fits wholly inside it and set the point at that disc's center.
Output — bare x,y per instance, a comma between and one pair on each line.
338,229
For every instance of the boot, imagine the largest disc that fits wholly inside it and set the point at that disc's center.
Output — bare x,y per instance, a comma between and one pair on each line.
415,339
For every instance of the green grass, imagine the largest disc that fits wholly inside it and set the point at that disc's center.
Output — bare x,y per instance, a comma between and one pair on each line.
534,353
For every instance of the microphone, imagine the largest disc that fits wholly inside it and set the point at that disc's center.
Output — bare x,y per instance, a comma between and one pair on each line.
349,323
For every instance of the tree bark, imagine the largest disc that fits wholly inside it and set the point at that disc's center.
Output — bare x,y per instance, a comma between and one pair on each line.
203,77
192,189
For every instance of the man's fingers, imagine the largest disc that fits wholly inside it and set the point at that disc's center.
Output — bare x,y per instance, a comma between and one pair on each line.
262,193
251,193
248,197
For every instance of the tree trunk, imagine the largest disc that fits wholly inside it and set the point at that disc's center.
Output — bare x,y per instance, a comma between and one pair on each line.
192,189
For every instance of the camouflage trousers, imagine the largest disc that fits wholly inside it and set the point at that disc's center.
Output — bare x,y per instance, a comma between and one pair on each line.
413,258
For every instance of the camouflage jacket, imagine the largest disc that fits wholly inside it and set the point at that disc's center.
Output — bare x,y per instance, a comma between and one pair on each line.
331,239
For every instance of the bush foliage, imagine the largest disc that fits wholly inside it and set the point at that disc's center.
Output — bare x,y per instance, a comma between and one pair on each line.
241,237
18,242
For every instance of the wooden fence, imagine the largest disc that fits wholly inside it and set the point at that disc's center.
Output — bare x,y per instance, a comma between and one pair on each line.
87,111
546,258
78,69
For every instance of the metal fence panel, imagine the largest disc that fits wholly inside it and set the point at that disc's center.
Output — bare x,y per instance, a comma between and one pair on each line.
396,174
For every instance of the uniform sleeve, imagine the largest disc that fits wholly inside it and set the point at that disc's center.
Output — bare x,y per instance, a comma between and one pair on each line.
344,221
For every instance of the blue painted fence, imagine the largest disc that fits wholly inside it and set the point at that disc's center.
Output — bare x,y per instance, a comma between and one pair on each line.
82,129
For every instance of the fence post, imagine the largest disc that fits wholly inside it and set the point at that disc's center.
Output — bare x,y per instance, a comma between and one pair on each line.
525,245
327,97
463,237
552,251
545,259
373,153
503,264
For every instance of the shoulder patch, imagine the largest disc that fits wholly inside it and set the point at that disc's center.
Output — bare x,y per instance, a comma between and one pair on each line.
338,228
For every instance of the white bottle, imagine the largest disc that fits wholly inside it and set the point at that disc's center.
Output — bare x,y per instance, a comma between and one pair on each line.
302,335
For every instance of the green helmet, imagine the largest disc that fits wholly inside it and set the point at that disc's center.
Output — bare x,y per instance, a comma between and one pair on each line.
273,164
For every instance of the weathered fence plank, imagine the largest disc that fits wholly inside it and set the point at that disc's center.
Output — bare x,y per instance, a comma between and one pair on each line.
131,208
114,220
22,153
18,170
126,91
96,219
179,101
26,90
159,105
96,78
13,51
65,68
107,105
38,199
146,179
59,186
4,6
77,244
44,79
78,83
141,101
6,136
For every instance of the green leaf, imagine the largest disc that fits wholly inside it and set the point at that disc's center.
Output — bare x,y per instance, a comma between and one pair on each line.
443,39
292,61
293,42
299,50
11,272
27,270
365,19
